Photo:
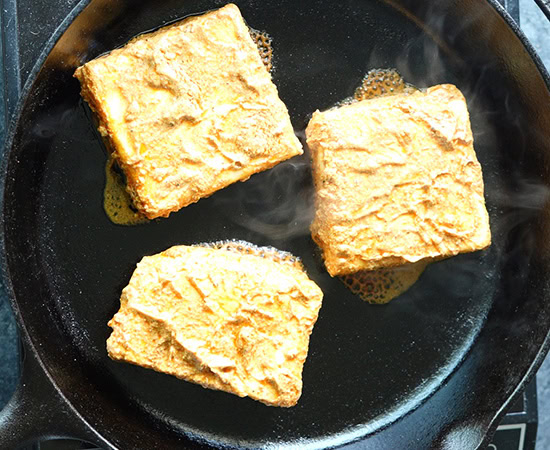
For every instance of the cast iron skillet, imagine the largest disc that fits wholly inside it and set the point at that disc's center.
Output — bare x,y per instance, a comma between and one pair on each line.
435,368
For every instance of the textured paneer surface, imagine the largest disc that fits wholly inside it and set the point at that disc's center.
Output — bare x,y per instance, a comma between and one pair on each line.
227,318
397,180
188,110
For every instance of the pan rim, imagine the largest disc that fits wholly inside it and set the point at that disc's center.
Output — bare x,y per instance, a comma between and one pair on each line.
545,347
5,277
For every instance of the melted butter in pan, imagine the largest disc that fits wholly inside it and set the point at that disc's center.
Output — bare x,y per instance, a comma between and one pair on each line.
382,82
382,285
244,247
263,42
116,200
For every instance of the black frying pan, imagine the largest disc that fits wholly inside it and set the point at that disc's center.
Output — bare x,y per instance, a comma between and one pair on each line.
435,368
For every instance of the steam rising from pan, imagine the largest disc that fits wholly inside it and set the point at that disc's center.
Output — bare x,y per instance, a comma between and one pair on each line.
278,204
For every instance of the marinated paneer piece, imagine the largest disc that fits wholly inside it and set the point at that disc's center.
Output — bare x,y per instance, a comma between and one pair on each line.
187,110
397,181
228,316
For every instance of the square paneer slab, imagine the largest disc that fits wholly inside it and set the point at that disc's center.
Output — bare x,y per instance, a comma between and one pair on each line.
397,180
234,318
188,110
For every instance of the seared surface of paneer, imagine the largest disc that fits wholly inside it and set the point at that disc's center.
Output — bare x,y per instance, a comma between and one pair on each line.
188,110
232,317
397,181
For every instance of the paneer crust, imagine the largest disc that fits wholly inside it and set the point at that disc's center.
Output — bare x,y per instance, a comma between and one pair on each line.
188,110
397,181
229,318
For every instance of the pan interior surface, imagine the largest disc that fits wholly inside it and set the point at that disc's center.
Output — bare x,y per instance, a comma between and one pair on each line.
368,365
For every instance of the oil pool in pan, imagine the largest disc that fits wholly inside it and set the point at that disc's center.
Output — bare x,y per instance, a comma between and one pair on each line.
116,200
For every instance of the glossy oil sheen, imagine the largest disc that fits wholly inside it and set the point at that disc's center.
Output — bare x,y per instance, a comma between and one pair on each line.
476,320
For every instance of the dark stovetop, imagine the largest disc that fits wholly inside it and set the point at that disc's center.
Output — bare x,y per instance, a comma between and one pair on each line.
24,36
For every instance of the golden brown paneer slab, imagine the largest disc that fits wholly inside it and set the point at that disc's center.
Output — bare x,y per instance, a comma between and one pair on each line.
188,110
231,317
397,181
